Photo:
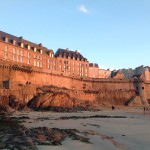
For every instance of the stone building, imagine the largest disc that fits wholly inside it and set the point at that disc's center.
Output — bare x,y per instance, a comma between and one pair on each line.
72,63
104,73
64,61
117,74
138,71
18,50
93,70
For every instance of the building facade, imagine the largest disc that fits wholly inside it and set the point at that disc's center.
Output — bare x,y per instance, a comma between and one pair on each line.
103,73
64,61
93,70
72,63
130,73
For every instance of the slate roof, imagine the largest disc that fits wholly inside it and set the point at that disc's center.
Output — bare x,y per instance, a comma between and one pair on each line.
25,42
66,53
93,65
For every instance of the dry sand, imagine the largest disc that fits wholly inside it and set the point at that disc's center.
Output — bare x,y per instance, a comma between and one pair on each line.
130,133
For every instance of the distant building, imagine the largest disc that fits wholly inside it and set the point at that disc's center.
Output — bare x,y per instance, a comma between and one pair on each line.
103,73
130,73
117,74
72,63
93,70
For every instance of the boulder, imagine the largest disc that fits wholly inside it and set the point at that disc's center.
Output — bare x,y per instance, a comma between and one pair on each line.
50,99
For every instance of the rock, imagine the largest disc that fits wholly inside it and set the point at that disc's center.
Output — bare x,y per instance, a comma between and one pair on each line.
5,108
48,100
41,137
57,136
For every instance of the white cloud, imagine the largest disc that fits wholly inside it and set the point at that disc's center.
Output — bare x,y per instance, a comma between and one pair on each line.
83,9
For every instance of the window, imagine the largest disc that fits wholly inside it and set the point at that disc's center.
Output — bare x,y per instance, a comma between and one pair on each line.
28,55
5,55
34,62
14,51
21,59
14,42
38,64
13,57
54,62
21,52
21,44
41,64
18,52
17,58
6,39
6,48
28,47
34,49
28,61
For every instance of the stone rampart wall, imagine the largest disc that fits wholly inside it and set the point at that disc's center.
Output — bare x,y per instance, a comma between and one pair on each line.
105,90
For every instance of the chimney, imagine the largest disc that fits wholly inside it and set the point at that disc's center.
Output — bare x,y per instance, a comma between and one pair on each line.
40,45
21,43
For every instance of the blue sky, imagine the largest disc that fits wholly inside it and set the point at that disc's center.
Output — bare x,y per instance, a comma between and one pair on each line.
113,33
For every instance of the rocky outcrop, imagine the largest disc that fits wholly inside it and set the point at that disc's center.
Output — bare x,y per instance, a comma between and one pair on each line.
43,101
56,99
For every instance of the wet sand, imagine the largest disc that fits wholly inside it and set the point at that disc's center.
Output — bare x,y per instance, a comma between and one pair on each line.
131,132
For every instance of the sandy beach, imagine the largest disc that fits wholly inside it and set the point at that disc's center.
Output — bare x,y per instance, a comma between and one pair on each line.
129,132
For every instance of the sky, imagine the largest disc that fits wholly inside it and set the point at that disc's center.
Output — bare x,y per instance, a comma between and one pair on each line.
113,33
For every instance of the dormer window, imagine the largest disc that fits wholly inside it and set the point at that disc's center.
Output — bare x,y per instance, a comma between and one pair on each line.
6,39
21,44
60,55
41,51
52,55
14,42
28,47
34,49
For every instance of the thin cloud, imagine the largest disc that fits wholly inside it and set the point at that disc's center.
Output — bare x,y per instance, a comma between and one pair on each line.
83,9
